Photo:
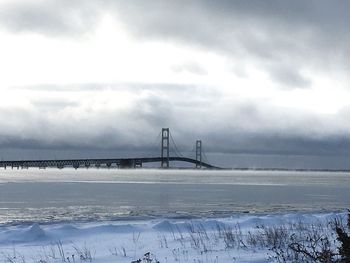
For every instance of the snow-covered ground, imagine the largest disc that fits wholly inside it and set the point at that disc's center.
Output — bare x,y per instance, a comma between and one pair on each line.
168,240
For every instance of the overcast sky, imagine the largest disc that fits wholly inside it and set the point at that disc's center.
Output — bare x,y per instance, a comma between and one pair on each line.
262,83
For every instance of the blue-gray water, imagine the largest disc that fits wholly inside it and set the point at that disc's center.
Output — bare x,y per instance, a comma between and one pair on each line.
56,195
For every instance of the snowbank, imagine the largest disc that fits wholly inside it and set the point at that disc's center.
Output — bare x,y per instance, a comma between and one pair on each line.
197,240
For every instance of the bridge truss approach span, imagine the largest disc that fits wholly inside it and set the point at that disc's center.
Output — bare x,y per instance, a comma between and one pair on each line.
77,163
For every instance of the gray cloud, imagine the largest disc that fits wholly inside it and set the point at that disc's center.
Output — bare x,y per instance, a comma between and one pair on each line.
53,104
289,76
54,18
293,35
290,34
190,67
226,125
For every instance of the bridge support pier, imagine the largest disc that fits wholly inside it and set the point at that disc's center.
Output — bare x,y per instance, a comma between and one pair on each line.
165,148
199,154
138,164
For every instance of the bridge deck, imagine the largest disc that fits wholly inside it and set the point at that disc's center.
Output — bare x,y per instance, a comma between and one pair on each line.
118,162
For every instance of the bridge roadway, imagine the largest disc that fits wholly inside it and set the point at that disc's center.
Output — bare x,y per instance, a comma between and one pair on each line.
76,163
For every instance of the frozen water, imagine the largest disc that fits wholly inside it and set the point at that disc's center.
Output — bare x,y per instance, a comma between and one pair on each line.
64,195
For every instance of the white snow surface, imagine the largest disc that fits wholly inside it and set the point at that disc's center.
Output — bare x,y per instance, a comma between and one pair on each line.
168,240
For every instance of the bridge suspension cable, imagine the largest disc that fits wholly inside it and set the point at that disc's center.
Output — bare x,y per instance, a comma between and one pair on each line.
179,154
156,145
204,156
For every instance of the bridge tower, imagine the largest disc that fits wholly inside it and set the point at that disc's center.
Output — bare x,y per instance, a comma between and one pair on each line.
199,154
165,148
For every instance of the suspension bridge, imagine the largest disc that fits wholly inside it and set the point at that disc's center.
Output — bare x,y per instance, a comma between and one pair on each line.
164,159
